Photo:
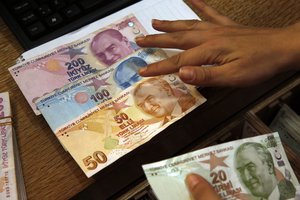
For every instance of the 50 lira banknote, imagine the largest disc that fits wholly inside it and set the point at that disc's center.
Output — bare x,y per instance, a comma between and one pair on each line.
247,169
115,127
70,62
74,99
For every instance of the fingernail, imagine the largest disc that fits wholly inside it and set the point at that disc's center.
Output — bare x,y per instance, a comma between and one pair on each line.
139,38
187,74
156,22
192,180
142,70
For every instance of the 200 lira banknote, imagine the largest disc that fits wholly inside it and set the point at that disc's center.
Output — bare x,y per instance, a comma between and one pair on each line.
70,62
74,99
8,182
251,168
110,130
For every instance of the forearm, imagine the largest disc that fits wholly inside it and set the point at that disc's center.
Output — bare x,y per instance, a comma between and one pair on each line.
291,46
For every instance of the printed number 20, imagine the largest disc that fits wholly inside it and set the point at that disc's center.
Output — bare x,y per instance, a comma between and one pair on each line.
99,157
218,177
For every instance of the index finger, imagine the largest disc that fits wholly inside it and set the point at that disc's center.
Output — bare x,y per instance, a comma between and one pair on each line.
199,55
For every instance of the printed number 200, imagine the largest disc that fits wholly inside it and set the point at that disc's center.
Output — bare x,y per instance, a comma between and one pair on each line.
92,162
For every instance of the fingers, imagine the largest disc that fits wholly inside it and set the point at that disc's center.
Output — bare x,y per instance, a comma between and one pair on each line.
211,14
181,25
179,40
204,76
200,189
191,57
227,75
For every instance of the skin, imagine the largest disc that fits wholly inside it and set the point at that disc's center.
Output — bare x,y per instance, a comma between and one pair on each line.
257,175
199,188
109,49
127,72
241,56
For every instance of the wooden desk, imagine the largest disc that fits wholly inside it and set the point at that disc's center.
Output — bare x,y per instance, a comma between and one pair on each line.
51,173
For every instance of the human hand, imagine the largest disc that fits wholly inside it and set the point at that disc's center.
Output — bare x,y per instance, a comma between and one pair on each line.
240,55
200,189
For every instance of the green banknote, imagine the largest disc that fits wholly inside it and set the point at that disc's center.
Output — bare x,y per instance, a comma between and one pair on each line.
251,168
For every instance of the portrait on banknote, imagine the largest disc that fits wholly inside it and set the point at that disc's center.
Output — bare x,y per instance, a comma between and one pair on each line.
254,168
156,97
110,45
126,73
257,172
71,62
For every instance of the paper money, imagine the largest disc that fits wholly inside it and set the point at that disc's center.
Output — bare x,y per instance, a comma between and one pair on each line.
251,168
5,110
74,99
287,123
70,62
8,183
112,129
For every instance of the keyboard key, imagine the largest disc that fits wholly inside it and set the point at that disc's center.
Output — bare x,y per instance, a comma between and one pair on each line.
71,11
28,18
58,4
21,7
88,4
44,10
36,29
11,2
54,20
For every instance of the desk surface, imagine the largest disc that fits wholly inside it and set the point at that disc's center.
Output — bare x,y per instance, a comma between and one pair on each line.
49,171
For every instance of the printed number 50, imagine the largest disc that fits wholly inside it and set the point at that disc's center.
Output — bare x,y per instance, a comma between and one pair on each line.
92,162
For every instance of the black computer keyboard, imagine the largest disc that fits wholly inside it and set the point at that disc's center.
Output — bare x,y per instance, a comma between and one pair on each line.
35,22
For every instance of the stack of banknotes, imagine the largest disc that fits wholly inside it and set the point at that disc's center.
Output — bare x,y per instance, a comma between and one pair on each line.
90,93
287,123
11,178
252,168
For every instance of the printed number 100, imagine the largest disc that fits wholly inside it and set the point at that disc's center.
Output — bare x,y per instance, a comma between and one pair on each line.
100,95
92,162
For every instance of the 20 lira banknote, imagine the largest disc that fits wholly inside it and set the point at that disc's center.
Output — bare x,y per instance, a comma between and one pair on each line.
112,129
74,99
70,62
247,169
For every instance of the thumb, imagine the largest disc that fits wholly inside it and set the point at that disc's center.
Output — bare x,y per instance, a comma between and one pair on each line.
205,76
200,189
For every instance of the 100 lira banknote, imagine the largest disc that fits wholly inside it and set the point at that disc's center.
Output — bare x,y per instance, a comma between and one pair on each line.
110,130
70,62
8,182
74,99
248,169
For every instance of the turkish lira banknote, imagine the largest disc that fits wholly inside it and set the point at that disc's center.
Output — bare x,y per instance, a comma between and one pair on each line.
70,62
251,168
8,182
287,123
64,104
110,130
